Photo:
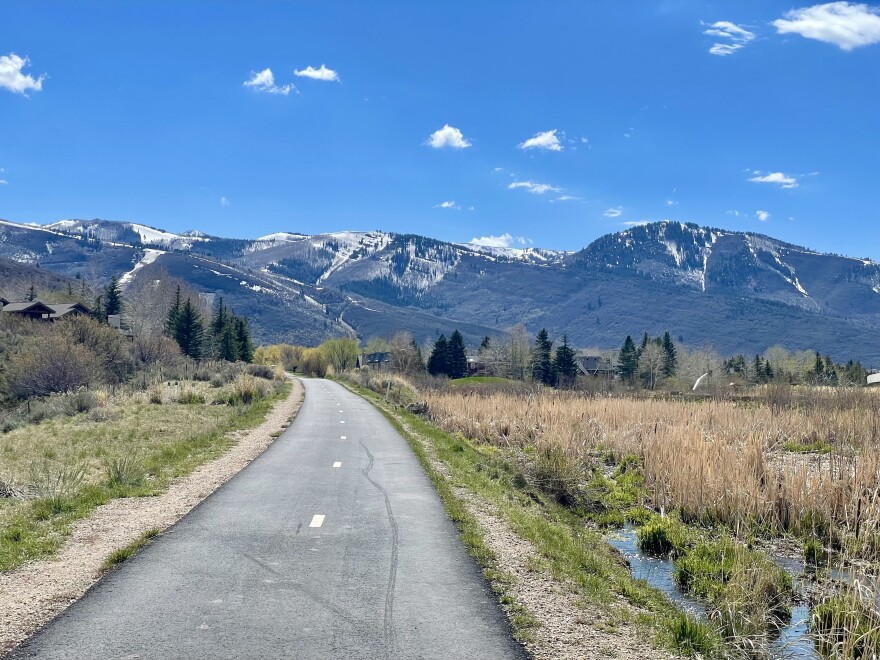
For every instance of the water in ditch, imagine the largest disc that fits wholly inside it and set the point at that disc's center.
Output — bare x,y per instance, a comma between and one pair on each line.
793,640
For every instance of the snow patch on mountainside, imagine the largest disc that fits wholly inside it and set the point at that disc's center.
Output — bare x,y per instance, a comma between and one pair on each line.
349,246
529,255
150,256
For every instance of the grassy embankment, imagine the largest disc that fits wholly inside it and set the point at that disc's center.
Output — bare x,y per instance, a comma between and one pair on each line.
130,445
569,551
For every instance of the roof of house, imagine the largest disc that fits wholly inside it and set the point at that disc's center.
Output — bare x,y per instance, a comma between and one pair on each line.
64,309
3,301
594,363
32,307
378,357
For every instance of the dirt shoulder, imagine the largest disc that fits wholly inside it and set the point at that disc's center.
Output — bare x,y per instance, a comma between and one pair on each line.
35,593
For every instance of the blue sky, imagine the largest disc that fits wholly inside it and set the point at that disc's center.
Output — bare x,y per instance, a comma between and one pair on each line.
566,120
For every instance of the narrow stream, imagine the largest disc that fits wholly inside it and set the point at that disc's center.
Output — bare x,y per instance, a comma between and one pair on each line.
793,640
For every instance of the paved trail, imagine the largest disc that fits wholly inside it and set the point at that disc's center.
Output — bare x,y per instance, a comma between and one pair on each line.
332,544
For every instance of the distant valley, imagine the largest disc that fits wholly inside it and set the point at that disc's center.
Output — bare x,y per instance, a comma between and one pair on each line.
738,292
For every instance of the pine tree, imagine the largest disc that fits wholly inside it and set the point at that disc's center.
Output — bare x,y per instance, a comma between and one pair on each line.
542,363
189,332
671,364
227,346
244,345
485,343
564,363
819,367
438,363
173,315
112,298
458,367
31,294
628,361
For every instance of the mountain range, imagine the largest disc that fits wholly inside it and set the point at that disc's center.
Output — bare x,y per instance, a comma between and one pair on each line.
738,292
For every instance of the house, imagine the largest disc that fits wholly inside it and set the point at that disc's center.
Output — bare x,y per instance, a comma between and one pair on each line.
63,310
34,310
375,360
3,301
37,310
874,379
477,366
595,365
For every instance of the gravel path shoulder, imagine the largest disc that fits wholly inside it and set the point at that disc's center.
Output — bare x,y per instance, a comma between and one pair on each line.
35,593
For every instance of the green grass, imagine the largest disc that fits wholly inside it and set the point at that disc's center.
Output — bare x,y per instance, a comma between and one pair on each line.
126,553
818,447
85,462
482,380
572,553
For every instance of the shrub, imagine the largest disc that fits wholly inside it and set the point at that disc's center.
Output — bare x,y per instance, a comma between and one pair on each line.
81,401
560,477
246,389
156,394
41,369
56,483
692,637
846,627
190,397
124,471
261,371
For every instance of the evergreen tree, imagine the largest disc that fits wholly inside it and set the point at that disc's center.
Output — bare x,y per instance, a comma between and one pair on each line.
565,363
112,298
485,343
189,332
760,371
31,294
244,345
438,363
458,367
628,361
70,289
226,345
417,352
671,364
819,367
173,315
542,362
218,322
768,370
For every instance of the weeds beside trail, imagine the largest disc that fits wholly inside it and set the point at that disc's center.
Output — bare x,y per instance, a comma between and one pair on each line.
130,445
575,556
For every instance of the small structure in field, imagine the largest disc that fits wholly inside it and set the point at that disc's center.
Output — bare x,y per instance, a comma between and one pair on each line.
375,360
874,379
477,366
3,301
595,365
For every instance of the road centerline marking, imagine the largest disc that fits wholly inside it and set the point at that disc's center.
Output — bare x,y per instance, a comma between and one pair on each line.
337,464
317,520
342,437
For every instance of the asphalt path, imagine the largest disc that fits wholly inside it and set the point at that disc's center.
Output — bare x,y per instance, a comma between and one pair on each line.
332,544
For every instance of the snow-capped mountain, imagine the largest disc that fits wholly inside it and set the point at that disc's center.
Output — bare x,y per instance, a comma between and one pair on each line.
736,291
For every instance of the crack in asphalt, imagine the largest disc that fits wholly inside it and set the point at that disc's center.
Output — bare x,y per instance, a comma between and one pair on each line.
392,577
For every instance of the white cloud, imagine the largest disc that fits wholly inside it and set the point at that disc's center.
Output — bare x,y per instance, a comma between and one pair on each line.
323,73
447,205
448,136
546,141
734,213
3,182
224,201
782,180
504,240
847,25
636,223
614,212
763,216
567,198
734,36
533,187
264,81
13,79
671,202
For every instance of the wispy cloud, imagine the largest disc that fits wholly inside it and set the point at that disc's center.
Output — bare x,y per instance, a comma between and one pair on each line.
636,223
505,240
847,25
328,75
448,137
780,179
734,37
614,212
763,216
264,81
546,141
533,187
224,201
448,205
567,198
12,78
